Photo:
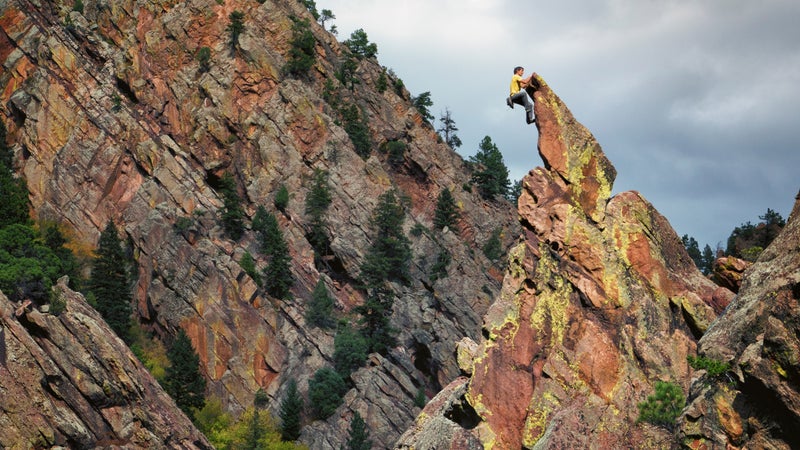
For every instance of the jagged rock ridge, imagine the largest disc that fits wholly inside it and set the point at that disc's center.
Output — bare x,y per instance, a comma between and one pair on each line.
67,380
600,300
756,404
113,118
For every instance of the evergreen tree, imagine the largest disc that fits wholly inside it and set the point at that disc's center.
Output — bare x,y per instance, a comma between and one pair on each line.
514,192
422,102
491,173
183,380
356,127
282,198
291,412
390,253
708,259
493,248
55,241
302,53
320,307
232,211
448,130
664,406
350,351
13,191
360,46
317,202
110,284
325,15
278,278
446,214
235,27
28,268
375,318
358,435
693,249
325,392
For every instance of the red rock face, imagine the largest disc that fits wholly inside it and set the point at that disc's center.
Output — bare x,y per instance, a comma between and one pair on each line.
599,302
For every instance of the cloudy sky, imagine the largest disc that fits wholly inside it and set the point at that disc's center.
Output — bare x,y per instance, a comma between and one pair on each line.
696,103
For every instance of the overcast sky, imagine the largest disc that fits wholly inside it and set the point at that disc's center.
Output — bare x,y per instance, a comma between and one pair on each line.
696,103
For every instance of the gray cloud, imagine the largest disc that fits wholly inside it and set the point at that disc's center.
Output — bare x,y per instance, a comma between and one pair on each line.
695,103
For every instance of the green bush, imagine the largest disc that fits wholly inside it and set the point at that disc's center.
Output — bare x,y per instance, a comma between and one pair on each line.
204,58
248,264
439,268
78,6
317,202
232,211
395,150
290,413
358,435
325,392
356,127
664,406
714,368
491,173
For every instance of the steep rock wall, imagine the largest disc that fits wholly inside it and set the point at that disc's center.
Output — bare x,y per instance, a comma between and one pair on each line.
113,118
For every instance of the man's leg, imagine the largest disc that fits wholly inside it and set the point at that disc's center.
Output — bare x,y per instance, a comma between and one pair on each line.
521,98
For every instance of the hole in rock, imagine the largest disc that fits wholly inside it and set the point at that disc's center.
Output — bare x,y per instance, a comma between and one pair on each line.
462,413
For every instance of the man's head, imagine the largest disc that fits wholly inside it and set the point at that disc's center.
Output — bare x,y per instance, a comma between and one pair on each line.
518,70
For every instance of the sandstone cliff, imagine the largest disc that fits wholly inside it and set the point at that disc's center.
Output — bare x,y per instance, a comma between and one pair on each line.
67,380
112,117
599,302
756,403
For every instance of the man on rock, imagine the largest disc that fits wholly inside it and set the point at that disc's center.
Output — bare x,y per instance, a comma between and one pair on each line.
518,94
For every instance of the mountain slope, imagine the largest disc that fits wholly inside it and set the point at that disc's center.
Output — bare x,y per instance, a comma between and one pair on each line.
112,117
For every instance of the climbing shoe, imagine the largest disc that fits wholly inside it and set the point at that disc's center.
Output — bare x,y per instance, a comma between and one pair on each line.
530,121
509,102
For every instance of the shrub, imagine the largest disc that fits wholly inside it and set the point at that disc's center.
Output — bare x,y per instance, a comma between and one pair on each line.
57,304
390,253
317,202
439,268
325,392
383,83
204,58
662,407
714,368
396,151
78,6
420,399
232,211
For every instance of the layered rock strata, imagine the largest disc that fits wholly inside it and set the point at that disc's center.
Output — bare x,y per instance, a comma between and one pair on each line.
599,302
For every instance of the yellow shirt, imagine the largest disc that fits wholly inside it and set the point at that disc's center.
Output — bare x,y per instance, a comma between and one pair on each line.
516,80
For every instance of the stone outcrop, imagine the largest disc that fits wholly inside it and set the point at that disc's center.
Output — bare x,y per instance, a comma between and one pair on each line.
67,380
112,117
756,403
599,302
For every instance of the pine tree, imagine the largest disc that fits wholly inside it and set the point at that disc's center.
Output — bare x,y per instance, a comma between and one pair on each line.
320,308
350,351
291,412
110,284
422,102
13,191
325,392
448,130
278,278
184,382
302,54
491,173
446,214
235,27
693,249
358,435
317,202
375,318
389,255
360,46
708,259
232,211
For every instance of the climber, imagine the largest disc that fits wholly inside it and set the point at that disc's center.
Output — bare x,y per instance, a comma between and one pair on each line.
519,95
